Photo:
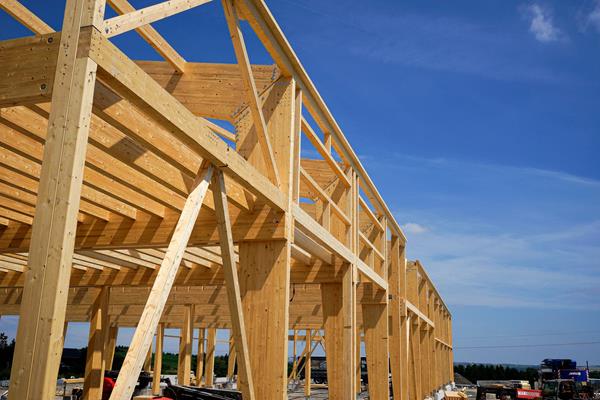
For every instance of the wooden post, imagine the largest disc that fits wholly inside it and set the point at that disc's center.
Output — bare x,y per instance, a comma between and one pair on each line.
160,337
233,287
264,266
358,361
339,332
375,320
184,363
142,338
200,357
294,375
39,335
307,363
415,364
231,359
398,341
94,364
147,367
111,344
211,341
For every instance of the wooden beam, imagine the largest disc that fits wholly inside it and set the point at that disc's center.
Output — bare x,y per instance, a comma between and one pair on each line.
233,288
145,16
95,361
314,139
37,352
25,17
269,32
158,354
141,89
150,35
254,102
142,337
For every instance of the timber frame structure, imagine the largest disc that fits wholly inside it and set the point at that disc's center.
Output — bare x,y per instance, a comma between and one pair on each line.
123,204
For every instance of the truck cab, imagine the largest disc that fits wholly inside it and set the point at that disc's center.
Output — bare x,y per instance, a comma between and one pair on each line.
559,389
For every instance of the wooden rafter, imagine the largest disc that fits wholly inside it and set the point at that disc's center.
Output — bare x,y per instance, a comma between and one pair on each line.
255,105
25,17
145,16
151,36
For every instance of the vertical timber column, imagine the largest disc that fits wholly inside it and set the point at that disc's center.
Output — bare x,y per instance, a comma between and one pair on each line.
375,321
184,364
339,317
111,344
211,341
357,363
398,325
200,357
94,363
39,335
231,358
264,266
307,363
339,334
450,351
160,337
415,367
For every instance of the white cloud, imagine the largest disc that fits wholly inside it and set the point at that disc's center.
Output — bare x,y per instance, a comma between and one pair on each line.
594,17
413,228
542,24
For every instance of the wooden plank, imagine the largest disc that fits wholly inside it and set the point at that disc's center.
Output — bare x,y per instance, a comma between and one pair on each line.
37,353
95,362
142,337
158,354
245,384
150,35
25,17
145,16
254,102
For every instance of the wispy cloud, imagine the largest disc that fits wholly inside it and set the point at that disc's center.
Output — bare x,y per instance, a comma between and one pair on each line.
501,236
438,43
541,24
413,228
593,19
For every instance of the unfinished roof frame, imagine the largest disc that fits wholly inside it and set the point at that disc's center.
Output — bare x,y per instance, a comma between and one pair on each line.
122,205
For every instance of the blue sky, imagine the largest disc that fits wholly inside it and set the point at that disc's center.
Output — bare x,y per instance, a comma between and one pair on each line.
479,121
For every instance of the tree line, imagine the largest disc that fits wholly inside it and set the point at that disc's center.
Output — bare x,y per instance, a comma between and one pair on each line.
484,372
